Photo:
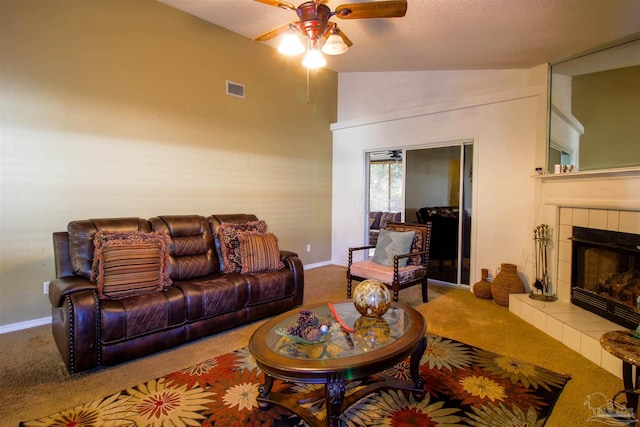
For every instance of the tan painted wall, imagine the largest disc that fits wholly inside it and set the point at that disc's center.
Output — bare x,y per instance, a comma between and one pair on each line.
118,108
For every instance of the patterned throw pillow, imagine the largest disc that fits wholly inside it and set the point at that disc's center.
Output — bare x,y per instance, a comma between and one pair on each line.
259,252
130,263
230,244
391,243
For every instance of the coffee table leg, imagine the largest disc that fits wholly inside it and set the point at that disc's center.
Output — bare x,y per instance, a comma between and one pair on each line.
335,395
264,390
415,366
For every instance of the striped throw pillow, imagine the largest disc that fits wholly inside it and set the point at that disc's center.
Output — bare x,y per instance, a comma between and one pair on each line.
259,252
129,264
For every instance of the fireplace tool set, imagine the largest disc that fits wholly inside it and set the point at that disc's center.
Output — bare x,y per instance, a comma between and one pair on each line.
542,287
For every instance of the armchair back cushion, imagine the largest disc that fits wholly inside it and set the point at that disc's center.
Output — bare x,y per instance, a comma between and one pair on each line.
421,239
391,243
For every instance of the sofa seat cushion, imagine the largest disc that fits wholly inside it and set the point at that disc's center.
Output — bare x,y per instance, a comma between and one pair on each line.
214,295
371,270
270,286
127,318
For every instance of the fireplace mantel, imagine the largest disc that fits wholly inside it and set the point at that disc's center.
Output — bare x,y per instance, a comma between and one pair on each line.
613,189
590,174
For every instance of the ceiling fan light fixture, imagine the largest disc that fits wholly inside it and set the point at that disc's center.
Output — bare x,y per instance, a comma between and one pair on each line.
334,45
291,45
314,59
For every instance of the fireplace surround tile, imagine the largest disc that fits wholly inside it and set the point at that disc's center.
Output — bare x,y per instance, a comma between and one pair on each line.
566,216
613,220
591,349
611,363
629,222
564,250
580,217
598,219
571,337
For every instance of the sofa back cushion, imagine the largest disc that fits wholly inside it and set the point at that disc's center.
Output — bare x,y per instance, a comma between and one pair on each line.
191,250
82,233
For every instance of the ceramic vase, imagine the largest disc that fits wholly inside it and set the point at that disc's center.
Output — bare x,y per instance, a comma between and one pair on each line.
506,282
482,289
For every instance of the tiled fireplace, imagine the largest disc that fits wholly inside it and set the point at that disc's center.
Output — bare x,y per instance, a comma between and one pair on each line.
576,327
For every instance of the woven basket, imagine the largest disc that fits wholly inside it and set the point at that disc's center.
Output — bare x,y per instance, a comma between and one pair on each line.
482,289
506,282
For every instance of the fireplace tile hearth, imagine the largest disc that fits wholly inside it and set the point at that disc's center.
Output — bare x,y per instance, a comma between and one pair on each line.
575,327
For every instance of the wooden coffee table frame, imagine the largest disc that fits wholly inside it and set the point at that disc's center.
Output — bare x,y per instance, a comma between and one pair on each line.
334,373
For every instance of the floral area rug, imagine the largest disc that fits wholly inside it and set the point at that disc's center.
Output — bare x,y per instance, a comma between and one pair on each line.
466,386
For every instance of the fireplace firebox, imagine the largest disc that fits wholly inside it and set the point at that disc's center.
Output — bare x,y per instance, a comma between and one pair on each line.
605,276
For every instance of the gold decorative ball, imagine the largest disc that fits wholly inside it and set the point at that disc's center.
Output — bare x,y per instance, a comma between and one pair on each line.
372,298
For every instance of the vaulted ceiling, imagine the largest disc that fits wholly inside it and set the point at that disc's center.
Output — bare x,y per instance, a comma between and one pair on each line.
447,34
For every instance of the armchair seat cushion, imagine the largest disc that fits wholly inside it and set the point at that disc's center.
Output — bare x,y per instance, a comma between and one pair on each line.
371,270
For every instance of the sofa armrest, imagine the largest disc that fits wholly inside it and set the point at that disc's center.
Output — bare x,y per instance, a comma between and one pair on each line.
63,286
293,263
75,325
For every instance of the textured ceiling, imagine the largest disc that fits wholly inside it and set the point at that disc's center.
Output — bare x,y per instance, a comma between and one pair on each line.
447,34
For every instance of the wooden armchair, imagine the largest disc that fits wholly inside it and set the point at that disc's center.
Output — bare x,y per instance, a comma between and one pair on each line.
396,276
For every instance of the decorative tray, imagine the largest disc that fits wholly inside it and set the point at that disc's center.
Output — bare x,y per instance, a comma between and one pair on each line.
298,339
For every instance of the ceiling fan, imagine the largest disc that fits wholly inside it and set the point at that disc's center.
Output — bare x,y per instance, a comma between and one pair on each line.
315,26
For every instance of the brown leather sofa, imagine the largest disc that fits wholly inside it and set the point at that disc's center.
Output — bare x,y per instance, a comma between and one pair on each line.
90,331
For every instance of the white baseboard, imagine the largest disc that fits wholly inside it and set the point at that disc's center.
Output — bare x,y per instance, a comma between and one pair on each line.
24,325
316,265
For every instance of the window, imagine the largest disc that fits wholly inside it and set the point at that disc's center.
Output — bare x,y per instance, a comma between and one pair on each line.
385,186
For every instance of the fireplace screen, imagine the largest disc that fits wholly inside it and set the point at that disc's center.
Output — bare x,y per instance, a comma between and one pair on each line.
605,277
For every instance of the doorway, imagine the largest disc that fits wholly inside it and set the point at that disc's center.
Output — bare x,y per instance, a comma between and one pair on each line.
432,184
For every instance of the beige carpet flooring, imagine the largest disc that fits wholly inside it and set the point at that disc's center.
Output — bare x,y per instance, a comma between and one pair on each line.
35,383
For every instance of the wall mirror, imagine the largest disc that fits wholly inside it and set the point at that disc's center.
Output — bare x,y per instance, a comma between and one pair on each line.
594,114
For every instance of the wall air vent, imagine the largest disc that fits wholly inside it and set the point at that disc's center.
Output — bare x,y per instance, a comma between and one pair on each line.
235,89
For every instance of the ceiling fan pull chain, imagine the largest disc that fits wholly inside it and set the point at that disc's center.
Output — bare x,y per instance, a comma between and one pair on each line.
307,85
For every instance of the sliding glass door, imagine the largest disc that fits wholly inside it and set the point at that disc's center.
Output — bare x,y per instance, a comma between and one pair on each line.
430,184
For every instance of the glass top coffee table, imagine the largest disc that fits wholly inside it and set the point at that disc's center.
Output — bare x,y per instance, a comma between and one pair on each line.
339,357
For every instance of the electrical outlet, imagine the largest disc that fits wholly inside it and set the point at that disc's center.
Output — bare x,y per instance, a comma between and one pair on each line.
308,248
46,287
